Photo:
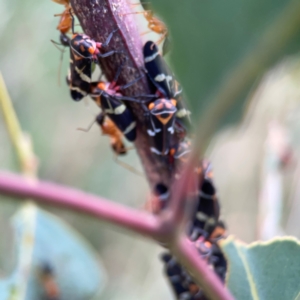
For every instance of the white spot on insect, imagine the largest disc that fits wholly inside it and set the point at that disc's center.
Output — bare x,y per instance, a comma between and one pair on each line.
150,58
171,130
201,216
77,89
119,109
130,127
83,76
154,150
150,132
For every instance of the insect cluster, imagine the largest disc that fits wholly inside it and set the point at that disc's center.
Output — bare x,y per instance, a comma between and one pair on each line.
166,121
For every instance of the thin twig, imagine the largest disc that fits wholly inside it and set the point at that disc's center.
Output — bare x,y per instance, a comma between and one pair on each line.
21,142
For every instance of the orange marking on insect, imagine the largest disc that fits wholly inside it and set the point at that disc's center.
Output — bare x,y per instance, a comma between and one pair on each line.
151,106
91,50
164,119
218,232
102,86
174,102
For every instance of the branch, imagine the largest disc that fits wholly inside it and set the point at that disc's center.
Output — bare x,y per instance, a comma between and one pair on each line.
133,220
48,193
187,254
98,19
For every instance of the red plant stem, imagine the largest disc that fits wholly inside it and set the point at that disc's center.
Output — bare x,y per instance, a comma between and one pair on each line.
134,220
187,254
48,193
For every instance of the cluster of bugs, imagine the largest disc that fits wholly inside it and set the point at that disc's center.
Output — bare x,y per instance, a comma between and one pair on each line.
204,231
166,121
165,114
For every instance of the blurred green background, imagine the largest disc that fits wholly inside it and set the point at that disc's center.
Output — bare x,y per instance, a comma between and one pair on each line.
255,153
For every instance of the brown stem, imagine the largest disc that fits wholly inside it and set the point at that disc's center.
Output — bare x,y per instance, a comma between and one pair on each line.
98,19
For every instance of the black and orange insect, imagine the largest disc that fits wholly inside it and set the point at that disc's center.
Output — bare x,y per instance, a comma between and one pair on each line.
206,219
167,109
161,125
83,52
163,80
109,129
108,96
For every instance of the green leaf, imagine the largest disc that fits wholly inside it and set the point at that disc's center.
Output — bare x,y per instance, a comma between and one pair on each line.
263,270
220,48
44,241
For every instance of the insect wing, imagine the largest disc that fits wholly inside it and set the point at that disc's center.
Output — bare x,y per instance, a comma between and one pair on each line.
82,46
79,78
120,115
162,117
158,71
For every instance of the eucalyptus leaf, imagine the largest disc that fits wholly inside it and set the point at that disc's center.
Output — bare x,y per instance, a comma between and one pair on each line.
263,270
49,252
220,48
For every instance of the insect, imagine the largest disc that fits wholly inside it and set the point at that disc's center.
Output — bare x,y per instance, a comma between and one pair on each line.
168,109
163,80
48,282
108,96
83,52
65,22
180,152
161,120
155,25
64,26
158,200
109,128
206,219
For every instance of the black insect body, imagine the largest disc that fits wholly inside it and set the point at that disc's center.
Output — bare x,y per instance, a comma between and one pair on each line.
163,80
175,275
206,219
108,97
161,125
83,52
180,152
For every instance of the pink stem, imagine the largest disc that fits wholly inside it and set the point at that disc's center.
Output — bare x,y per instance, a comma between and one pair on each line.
134,220
187,254
48,193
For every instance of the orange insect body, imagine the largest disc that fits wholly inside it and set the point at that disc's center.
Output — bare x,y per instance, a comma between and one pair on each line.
154,24
62,2
109,128
65,22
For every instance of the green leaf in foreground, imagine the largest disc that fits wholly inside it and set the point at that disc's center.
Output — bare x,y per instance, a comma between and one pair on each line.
263,270
43,239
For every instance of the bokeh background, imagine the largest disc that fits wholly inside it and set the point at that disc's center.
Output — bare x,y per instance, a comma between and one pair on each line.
255,151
